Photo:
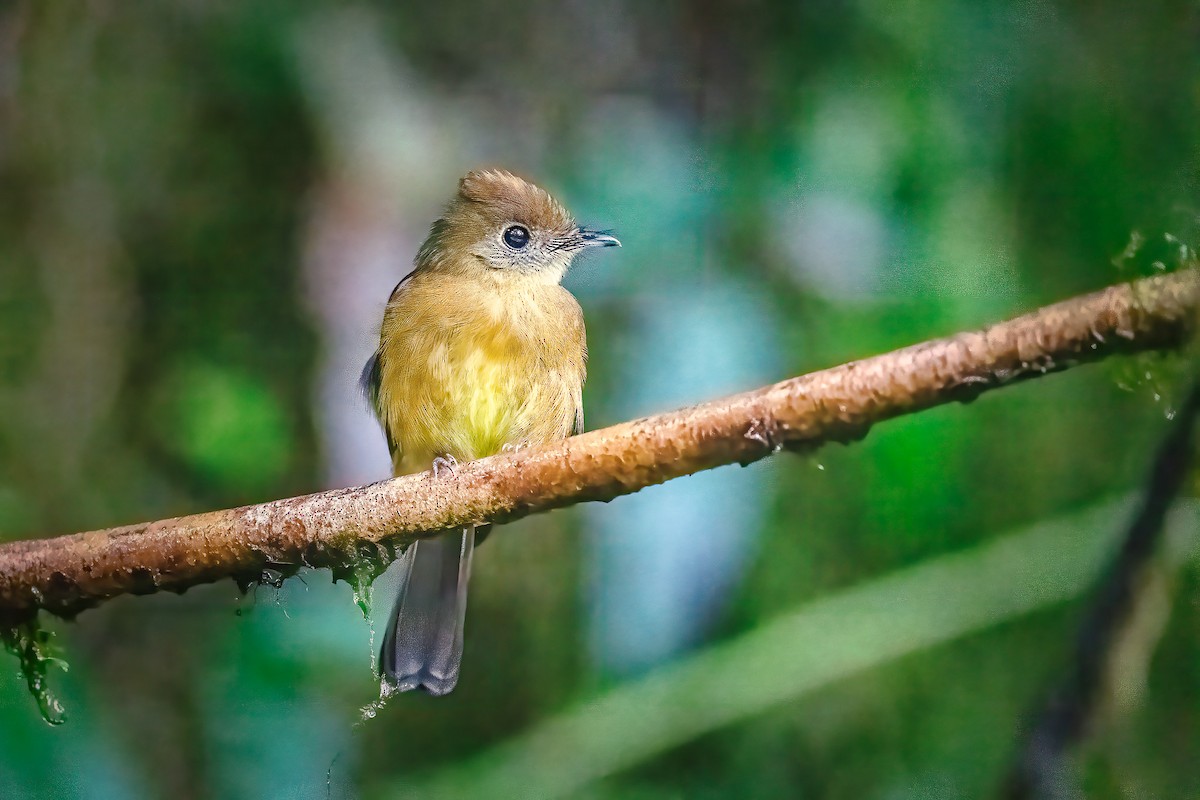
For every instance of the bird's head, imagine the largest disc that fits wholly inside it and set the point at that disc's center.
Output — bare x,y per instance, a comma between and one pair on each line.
504,224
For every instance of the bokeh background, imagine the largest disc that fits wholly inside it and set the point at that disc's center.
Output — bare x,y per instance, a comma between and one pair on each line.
204,206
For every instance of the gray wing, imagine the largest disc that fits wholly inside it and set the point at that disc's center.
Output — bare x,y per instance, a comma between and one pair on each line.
372,374
369,383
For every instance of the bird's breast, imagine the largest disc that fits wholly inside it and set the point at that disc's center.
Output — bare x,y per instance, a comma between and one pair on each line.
485,375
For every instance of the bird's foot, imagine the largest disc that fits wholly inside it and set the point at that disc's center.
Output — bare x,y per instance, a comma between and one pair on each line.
513,447
446,462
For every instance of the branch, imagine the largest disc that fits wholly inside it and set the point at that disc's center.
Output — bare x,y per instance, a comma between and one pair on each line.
1043,768
332,529
800,652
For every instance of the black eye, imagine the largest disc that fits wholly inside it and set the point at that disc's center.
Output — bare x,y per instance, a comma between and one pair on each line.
516,236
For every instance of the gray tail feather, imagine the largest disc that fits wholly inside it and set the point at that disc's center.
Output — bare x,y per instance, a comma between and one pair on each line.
423,644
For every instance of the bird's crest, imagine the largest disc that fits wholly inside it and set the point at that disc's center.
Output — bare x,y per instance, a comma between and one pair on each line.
502,196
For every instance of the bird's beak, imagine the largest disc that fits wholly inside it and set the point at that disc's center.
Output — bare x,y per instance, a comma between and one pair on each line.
598,238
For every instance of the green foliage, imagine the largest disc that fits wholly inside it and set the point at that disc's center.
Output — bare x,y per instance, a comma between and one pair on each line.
227,427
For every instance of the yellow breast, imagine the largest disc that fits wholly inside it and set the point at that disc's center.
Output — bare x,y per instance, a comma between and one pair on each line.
468,366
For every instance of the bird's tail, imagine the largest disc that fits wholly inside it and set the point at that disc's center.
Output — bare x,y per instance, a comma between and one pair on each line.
423,645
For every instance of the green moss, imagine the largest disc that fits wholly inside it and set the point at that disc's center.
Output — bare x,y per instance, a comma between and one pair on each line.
1158,376
30,643
364,563
1145,256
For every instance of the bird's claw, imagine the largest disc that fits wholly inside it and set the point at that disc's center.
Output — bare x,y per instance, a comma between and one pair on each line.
446,462
512,447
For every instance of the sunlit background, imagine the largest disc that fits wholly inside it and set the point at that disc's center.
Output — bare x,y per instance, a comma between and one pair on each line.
204,206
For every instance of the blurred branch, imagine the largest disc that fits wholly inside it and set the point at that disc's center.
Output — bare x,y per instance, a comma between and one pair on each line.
1042,769
332,529
801,652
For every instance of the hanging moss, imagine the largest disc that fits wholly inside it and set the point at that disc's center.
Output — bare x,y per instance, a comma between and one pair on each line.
361,567
31,644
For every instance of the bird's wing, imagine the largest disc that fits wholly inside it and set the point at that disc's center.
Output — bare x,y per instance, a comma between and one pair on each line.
399,285
369,382
372,375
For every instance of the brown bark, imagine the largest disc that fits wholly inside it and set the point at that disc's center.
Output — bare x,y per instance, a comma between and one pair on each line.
330,529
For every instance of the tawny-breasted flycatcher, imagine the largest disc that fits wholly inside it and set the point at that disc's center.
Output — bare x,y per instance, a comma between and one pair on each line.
481,351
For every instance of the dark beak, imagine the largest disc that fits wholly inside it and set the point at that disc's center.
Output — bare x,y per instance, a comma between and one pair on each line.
598,238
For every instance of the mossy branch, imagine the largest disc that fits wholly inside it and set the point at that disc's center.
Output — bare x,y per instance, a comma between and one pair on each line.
331,529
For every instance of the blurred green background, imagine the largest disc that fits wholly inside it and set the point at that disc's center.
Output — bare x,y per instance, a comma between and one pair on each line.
203,208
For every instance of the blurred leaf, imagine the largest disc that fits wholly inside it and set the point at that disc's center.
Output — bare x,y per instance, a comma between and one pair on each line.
830,639
226,425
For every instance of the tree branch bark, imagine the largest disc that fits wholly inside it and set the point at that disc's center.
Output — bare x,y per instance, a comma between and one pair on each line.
67,574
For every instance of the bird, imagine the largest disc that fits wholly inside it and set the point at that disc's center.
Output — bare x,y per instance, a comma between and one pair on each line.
481,351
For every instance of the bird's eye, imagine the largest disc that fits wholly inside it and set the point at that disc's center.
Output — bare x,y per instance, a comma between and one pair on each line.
516,236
